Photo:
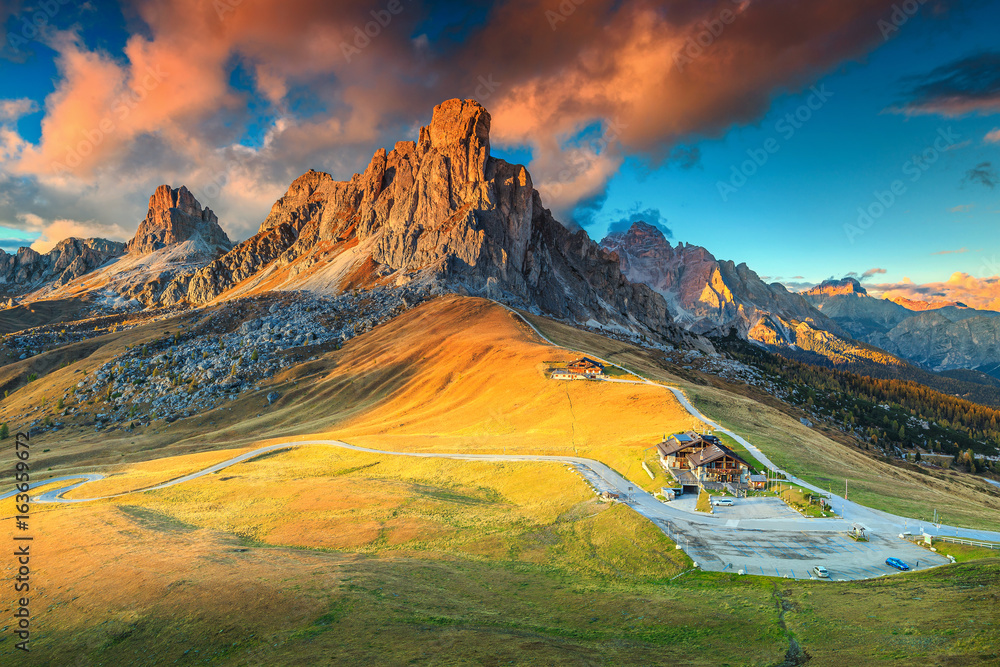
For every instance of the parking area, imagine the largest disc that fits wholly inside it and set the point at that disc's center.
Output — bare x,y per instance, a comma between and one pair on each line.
755,508
794,553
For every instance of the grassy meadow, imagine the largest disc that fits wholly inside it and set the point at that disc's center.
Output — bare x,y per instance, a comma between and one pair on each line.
323,555
809,453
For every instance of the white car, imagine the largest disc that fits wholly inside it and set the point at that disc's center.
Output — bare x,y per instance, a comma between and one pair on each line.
821,572
723,501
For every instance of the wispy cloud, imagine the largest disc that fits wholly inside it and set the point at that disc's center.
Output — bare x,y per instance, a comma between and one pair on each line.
993,136
961,208
969,85
871,272
960,251
983,174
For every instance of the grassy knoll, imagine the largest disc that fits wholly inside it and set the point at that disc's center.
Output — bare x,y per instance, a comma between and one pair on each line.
961,500
704,502
321,556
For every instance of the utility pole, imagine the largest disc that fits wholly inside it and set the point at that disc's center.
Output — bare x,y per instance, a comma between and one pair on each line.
845,489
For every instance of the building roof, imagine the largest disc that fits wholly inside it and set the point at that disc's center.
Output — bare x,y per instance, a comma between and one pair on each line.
587,362
758,478
713,453
680,441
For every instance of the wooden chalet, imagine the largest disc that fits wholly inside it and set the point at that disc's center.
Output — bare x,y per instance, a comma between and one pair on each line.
718,463
674,450
585,366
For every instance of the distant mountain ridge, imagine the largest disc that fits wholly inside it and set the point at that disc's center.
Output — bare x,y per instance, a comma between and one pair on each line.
708,295
176,236
947,337
71,258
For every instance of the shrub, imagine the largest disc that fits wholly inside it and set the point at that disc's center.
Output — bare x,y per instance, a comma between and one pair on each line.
32,377
4,431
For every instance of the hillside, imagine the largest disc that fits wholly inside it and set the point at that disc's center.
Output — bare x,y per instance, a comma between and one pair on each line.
447,558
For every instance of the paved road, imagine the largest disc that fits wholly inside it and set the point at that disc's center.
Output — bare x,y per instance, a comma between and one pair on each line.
787,545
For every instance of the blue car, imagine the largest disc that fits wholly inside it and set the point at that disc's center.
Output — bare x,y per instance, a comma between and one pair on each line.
896,563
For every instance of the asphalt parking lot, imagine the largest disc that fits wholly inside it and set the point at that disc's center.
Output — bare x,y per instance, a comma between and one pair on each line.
794,553
755,508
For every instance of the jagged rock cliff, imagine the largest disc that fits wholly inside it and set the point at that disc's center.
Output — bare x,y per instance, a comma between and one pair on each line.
177,236
708,295
441,212
69,259
175,216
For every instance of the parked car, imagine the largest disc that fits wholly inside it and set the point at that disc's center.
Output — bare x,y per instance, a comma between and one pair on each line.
821,572
896,563
723,501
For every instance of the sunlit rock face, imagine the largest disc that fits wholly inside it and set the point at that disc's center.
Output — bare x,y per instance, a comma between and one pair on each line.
707,295
441,212
175,216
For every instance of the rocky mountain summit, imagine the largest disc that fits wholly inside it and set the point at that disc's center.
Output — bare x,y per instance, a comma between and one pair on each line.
708,295
832,287
441,213
947,337
69,259
175,216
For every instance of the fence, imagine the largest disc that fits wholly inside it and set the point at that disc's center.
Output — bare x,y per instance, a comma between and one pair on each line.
959,540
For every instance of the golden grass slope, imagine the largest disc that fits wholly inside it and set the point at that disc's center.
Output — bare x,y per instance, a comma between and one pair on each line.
810,453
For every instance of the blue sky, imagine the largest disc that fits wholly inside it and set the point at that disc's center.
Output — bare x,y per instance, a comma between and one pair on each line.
788,219
272,108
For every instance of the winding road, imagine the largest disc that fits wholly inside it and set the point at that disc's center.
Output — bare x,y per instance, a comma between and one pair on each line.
784,545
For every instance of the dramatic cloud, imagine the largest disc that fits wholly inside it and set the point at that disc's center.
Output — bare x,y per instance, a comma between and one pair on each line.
970,85
983,293
983,174
960,251
583,86
871,272
650,216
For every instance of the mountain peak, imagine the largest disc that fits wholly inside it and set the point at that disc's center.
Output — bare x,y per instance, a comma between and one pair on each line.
175,216
835,287
460,127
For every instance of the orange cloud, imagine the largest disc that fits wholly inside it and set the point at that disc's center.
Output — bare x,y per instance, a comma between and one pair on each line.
648,74
982,293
